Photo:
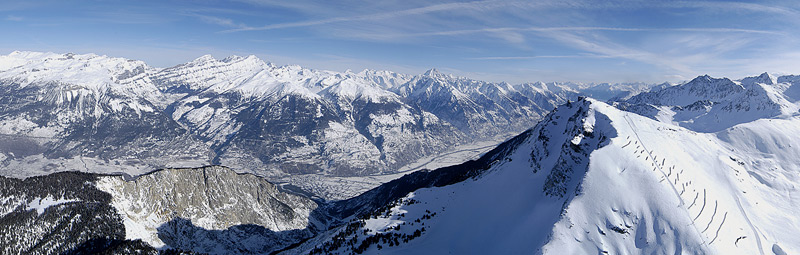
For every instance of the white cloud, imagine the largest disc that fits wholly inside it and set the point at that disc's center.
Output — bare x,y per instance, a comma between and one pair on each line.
216,20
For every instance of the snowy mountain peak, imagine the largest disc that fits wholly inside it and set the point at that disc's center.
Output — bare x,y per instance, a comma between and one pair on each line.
203,59
208,59
536,86
706,83
89,71
703,78
385,79
352,88
701,88
239,58
432,72
764,78
767,78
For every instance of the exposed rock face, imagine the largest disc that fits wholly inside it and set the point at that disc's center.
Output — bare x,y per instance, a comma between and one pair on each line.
210,198
61,213
208,210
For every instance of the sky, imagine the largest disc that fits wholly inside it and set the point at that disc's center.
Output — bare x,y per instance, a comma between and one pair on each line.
512,41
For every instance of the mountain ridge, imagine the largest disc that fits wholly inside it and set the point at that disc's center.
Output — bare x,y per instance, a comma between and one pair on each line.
709,104
243,112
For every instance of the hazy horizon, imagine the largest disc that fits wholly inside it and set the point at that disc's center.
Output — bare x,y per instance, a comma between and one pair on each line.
511,41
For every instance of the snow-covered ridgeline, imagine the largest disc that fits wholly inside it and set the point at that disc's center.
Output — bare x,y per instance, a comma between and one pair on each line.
591,178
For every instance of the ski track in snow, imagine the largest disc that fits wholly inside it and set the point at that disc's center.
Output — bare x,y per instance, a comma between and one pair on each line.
633,128
682,204
753,228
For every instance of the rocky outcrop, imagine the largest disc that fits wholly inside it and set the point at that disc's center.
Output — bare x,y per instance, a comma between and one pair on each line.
207,198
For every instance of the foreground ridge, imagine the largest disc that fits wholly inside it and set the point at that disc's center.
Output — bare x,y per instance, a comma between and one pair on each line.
591,178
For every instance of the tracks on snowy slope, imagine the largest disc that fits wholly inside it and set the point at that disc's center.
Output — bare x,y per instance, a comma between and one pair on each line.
658,166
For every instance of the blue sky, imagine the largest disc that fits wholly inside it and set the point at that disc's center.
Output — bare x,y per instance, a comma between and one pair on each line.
513,41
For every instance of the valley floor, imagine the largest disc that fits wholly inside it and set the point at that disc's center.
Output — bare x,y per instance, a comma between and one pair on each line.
338,188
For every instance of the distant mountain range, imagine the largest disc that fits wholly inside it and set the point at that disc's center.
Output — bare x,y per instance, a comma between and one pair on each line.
95,113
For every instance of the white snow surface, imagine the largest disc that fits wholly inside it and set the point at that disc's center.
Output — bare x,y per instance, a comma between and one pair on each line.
40,204
141,225
85,81
651,188
253,77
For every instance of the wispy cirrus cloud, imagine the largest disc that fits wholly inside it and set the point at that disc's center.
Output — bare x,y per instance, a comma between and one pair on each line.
13,18
551,57
477,5
612,49
225,22
487,6
685,56
730,6
392,36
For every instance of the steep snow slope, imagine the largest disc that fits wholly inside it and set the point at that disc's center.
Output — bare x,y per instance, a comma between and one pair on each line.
593,179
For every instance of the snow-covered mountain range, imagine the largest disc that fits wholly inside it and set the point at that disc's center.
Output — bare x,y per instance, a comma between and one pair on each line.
707,104
591,177
102,114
